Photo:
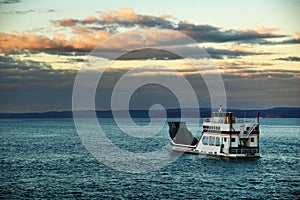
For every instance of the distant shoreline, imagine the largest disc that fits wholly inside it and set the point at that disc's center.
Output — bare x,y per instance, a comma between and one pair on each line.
278,112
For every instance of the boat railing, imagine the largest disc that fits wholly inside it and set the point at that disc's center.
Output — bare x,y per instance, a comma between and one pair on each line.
244,151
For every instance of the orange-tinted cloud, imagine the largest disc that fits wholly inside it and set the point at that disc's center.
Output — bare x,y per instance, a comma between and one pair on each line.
259,28
127,14
89,19
248,49
124,17
31,41
22,41
113,21
123,14
65,22
86,39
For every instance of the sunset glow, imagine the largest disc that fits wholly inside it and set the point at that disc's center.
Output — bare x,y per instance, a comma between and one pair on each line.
42,47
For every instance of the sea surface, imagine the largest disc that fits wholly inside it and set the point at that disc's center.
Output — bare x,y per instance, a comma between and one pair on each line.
45,158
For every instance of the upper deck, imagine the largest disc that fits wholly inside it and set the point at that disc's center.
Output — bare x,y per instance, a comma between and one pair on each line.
222,117
225,122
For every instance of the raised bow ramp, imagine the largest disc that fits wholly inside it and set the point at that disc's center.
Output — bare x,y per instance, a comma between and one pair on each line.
180,134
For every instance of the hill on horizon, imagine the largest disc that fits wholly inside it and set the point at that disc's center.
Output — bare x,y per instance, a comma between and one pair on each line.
276,112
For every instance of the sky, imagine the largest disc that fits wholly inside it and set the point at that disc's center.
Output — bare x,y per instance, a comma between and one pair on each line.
252,45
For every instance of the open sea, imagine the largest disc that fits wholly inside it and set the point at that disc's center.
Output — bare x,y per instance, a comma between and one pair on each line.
45,158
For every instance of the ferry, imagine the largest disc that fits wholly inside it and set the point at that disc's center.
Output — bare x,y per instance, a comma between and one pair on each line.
221,136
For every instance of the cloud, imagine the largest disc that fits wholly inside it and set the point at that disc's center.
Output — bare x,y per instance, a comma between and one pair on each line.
250,50
295,40
150,53
241,90
5,59
202,33
18,12
65,22
23,12
290,40
290,58
9,1
31,41
111,21
147,53
241,64
91,31
234,53
208,33
125,18
33,87
259,28
43,87
85,40
256,73
128,18
15,73
89,19
51,10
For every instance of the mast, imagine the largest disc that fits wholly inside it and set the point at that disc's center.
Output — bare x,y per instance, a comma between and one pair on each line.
220,109
258,146
230,129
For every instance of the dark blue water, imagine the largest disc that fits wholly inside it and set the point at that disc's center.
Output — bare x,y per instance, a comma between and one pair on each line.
44,158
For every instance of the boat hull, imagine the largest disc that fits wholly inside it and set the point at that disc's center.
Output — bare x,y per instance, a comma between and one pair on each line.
192,150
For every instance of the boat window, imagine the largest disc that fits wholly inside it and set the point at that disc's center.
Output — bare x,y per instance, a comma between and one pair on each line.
232,139
211,140
217,141
225,139
252,139
205,140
